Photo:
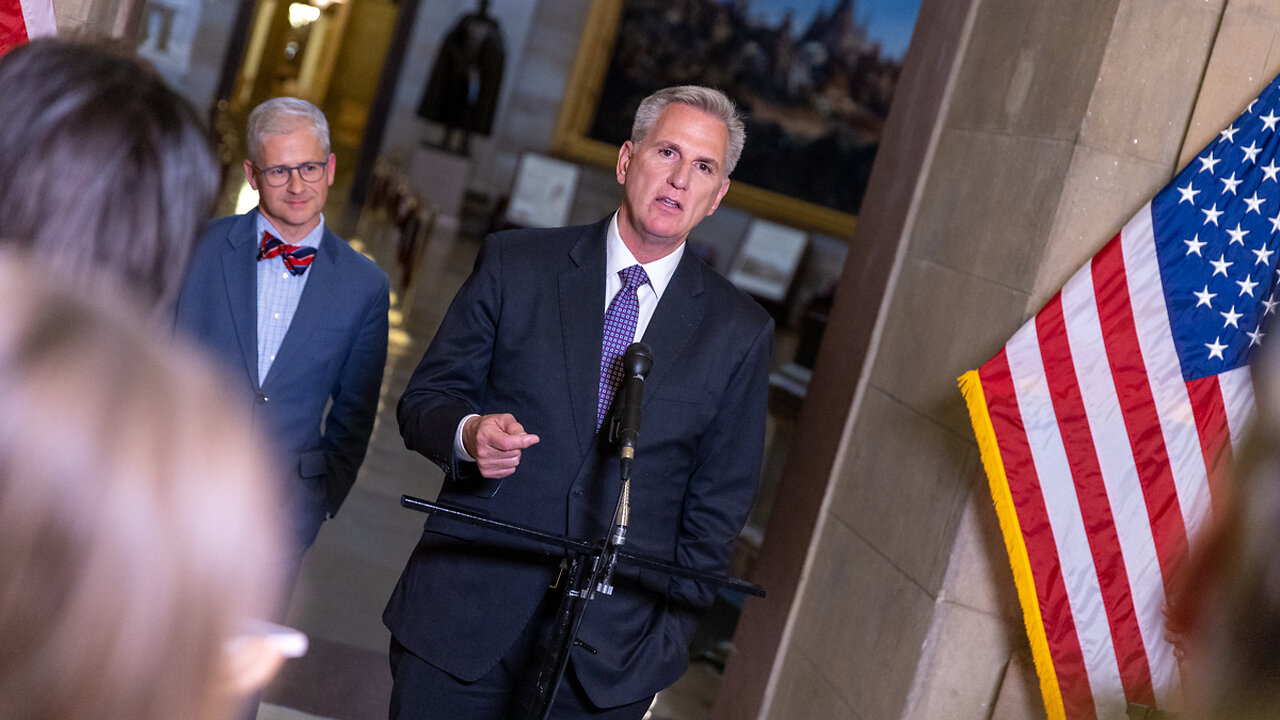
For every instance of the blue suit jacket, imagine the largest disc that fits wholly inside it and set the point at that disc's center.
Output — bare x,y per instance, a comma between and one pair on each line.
335,349
523,336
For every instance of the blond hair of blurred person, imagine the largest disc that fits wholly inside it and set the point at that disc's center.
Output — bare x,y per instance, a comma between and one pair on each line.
137,536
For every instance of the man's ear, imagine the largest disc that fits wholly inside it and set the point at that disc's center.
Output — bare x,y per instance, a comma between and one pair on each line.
248,175
724,188
624,161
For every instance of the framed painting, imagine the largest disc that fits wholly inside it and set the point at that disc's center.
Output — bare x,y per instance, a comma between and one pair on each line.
813,78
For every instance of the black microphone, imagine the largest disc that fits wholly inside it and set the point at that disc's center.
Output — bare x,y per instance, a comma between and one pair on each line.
636,363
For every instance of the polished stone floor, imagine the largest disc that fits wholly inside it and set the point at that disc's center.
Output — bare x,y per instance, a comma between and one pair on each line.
349,573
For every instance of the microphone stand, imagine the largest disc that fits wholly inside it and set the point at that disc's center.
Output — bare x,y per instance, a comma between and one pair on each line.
586,566
581,588
590,564
636,362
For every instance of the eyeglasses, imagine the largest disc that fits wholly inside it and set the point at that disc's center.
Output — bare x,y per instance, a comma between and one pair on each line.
278,175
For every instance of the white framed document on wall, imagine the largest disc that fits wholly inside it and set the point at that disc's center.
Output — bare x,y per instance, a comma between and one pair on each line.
768,258
542,193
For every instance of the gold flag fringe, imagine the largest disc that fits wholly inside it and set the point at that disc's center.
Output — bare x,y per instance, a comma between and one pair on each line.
979,415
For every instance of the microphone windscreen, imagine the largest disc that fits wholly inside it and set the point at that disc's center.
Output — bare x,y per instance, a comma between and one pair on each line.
637,360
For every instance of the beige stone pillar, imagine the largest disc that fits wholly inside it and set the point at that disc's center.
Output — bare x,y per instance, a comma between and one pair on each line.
107,18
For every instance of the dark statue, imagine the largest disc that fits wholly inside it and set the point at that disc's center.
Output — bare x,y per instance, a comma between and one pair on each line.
462,92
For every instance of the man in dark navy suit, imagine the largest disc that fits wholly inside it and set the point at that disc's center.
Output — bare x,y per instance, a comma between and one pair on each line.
299,316
512,400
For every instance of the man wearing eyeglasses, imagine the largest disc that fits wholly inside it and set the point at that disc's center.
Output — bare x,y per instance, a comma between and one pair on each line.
299,316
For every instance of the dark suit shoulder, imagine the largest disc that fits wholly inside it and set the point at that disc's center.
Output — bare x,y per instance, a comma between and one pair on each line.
219,229
570,232
221,226
733,300
537,242
216,240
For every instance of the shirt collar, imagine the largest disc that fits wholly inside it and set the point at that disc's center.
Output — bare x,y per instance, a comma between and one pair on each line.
312,239
617,257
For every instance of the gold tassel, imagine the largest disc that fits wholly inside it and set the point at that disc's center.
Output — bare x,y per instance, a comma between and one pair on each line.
979,416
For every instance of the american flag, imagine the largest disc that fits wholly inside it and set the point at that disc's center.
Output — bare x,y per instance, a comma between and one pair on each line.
22,20
1107,420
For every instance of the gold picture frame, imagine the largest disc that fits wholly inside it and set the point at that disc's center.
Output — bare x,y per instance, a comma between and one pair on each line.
578,110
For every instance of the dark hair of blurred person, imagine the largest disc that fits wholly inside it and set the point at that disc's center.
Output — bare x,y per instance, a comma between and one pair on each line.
137,528
101,164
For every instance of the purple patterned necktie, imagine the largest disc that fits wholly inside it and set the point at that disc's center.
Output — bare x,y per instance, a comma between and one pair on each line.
619,332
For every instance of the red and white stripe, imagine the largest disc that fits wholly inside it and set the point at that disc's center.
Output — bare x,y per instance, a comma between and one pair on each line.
22,20
1120,452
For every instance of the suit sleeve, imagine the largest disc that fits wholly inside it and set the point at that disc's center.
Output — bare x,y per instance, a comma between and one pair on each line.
191,306
449,382
355,400
723,483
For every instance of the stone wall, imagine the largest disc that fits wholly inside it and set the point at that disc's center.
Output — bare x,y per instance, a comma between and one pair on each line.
96,17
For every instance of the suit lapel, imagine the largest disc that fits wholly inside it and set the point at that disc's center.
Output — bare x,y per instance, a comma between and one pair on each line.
674,321
582,322
240,273
318,294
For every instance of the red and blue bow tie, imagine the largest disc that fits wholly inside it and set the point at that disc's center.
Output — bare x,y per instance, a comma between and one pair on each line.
297,258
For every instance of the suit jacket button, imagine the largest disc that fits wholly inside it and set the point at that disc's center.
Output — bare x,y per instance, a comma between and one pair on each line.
577,491
261,399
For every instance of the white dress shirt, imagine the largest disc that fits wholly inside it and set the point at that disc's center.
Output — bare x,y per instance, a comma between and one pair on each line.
278,293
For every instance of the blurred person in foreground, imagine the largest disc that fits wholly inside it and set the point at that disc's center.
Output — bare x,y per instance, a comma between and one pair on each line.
1224,615
136,537
116,599
103,167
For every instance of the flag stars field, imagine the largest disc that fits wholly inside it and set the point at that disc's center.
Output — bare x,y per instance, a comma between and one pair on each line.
1188,193
1247,286
1215,348
1246,262
1231,317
